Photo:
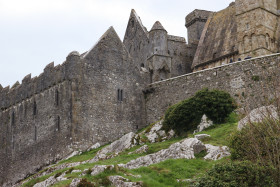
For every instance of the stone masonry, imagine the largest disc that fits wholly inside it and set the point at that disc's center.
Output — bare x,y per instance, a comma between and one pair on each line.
119,86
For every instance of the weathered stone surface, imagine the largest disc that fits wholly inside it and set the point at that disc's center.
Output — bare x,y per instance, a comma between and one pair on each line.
258,115
50,181
120,181
100,168
75,182
216,152
95,146
201,136
73,154
185,149
156,134
112,150
142,149
205,123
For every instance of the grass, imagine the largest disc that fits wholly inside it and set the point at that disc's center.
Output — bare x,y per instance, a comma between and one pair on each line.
162,174
220,133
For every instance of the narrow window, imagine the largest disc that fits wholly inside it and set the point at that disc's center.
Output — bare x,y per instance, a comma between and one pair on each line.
56,97
120,95
34,108
58,123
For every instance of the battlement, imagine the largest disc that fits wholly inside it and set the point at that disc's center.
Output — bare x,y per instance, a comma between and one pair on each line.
51,76
176,38
197,15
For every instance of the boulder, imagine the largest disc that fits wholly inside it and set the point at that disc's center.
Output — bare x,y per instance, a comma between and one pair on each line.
216,152
50,181
100,168
75,182
142,149
201,136
258,114
155,134
205,123
184,149
120,181
95,146
126,142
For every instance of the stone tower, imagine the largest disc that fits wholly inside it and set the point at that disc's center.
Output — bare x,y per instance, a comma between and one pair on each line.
257,22
195,22
159,61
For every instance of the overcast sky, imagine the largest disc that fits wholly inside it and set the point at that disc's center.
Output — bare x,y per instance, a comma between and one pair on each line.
34,33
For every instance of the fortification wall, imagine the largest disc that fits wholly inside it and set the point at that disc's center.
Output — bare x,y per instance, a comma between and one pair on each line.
249,82
35,121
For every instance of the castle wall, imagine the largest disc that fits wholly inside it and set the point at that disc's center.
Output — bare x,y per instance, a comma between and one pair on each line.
247,81
37,132
178,50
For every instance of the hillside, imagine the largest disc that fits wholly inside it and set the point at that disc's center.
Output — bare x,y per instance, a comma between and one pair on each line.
119,163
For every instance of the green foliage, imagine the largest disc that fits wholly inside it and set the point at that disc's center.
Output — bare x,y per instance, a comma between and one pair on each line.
186,115
237,174
256,78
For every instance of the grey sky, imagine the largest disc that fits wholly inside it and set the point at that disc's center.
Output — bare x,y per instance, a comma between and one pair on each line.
34,33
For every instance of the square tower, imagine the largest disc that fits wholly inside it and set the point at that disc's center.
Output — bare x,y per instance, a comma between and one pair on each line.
256,27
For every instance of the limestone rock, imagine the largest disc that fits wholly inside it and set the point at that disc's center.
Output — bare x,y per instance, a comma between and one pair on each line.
205,123
216,152
201,136
75,182
95,146
184,149
155,134
112,150
73,154
50,181
120,181
100,168
258,114
142,149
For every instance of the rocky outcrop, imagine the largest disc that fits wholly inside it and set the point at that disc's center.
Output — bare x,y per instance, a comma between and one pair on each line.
50,181
205,123
184,149
201,136
100,168
258,115
126,142
216,152
95,146
75,182
142,149
120,181
156,134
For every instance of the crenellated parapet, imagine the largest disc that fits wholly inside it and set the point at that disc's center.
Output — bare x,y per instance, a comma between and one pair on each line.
51,76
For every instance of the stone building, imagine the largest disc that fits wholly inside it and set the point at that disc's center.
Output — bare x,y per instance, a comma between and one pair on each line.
117,86
245,29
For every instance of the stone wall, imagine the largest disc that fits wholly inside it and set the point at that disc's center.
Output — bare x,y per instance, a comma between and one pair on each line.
247,81
94,97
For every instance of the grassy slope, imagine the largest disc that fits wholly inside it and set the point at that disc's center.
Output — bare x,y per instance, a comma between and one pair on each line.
163,174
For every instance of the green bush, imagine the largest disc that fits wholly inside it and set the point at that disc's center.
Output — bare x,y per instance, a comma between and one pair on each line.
237,174
259,143
186,115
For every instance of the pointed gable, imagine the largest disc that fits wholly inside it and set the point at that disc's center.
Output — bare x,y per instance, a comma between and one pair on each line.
134,27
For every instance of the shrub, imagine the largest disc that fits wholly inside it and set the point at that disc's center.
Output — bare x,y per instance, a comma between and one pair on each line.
237,174
186,115
258,142
85,183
